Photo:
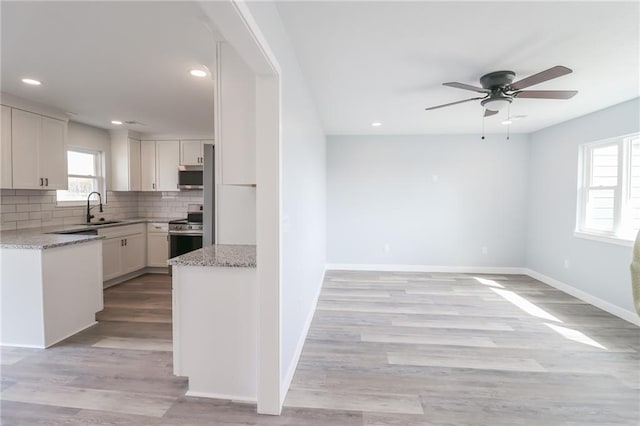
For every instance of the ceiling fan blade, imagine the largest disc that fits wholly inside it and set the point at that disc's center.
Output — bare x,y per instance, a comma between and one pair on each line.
546,94
489,113
551,73
466,87
453,103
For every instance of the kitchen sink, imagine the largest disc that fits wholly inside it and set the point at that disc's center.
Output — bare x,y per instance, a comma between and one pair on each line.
79,232
107,222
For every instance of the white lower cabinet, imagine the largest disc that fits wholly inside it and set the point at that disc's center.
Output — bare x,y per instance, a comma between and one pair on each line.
123,250
157,244
134,253
111,258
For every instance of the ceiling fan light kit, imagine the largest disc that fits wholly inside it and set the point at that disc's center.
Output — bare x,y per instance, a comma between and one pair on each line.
496,103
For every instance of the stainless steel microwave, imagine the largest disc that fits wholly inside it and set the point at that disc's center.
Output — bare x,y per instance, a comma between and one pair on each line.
190,177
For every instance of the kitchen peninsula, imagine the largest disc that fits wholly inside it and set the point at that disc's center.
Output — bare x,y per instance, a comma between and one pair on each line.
50,286
215,312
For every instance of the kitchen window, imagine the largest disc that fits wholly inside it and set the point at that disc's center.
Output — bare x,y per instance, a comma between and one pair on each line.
609,193
85,174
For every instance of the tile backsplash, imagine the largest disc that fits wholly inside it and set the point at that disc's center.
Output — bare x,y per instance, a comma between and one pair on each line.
34,208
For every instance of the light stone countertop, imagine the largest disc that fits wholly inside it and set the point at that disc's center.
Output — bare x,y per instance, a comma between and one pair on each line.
46,237
219,255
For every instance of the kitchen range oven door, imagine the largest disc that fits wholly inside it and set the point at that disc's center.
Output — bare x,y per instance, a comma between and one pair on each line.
180,244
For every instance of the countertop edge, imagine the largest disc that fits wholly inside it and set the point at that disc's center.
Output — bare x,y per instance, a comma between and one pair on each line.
218,256
55,236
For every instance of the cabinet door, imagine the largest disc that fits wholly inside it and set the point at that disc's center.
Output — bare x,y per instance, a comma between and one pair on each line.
53,153
111,258
168,162
134,253
157,250
25,133
134,164
191,153
148,165
5,149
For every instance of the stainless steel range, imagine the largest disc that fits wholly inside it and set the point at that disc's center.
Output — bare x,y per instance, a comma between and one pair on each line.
185,235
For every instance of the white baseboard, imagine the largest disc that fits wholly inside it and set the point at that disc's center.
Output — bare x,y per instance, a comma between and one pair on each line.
58,340
284,388
624,314
221,396
513,270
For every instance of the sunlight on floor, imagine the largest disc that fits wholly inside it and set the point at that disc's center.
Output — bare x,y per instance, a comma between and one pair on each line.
532,309
575,335
490,283
525,305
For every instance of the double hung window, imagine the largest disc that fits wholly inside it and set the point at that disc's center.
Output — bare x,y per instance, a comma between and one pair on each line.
85,174
609,201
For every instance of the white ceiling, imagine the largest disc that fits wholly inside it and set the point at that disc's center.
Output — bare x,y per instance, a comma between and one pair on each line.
386,61
113,60
365,61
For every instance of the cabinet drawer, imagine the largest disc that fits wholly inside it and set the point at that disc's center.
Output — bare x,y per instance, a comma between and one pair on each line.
120,231
157,228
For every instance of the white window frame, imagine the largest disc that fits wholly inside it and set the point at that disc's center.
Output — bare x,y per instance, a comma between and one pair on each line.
619,234
99,167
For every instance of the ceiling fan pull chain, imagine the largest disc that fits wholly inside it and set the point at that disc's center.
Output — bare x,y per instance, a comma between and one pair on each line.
483,118
509,119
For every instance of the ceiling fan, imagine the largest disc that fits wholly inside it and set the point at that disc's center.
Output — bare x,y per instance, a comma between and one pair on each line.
500,91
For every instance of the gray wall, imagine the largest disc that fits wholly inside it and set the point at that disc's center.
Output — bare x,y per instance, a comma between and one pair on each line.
381,192
598,268
303,180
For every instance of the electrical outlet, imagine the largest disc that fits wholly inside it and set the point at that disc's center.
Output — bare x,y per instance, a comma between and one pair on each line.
566,264
387,248
485,250
435,178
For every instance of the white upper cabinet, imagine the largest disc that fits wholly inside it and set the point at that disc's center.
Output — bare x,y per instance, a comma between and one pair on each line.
38,151
159,165
148,165
191,153
53,153
237,119
167,162
5,150
125,162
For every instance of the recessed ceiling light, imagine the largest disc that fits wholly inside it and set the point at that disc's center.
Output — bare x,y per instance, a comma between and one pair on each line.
376,124
507,122
116,122
198,73
31,81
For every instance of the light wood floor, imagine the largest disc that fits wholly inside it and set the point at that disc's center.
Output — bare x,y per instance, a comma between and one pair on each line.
383,349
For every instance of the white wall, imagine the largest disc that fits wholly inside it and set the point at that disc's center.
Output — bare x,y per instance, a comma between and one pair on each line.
381,192
598,268
303,192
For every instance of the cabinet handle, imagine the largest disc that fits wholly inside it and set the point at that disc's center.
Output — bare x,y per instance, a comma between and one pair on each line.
41,182
125,241
121,243
46,181
153,185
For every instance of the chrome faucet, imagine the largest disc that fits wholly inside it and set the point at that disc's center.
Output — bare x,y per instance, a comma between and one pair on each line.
89,215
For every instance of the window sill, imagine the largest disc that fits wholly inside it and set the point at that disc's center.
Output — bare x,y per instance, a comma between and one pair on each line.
604,238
